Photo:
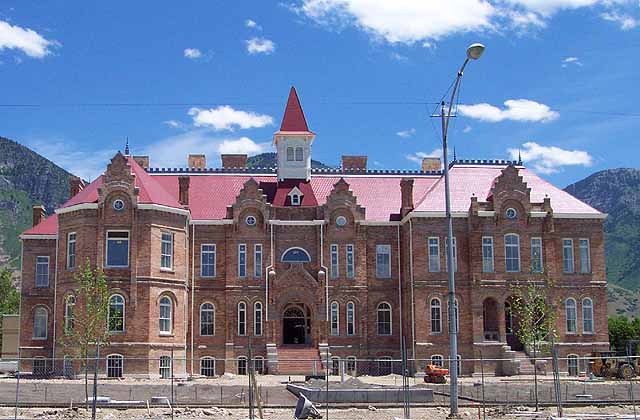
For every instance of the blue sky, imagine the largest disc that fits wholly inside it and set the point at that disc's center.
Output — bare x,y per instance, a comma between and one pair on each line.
558,80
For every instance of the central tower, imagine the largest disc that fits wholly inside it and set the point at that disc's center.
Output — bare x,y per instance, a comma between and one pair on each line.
293,142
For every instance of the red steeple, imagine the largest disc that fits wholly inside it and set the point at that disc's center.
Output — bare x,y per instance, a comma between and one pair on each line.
293,119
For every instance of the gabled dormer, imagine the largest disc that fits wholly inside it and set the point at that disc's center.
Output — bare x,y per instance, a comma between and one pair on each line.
295,196
293,142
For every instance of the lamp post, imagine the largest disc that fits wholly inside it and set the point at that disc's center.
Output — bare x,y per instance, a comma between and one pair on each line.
473,53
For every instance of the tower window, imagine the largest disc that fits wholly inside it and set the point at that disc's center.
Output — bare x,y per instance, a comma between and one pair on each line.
295,200
289,154
299,154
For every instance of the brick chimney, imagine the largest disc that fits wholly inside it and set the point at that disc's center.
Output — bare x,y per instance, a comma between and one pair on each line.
197,161
183,190
431,164
75,186
350,163
234,161
143,161
38,214
406,194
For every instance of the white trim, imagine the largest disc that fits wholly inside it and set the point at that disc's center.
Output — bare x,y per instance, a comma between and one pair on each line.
353,317
580,215
378,223
256,274
215,257
390,319
77,207
294,247
211,222
296,222
244,304
537,214
75,249
246,253
51,236
335,332
255,311
486,213
200,319
106,249
166,209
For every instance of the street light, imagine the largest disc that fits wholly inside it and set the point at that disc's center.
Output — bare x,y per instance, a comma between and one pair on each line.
474,51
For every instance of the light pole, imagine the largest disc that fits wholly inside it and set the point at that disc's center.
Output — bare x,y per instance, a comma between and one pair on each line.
473,53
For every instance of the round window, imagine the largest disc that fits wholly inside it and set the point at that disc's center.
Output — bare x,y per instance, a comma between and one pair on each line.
251,220
118,205
511,213
341,220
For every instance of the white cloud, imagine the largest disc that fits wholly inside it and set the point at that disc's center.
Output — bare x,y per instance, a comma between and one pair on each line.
571,61
24,39
467,129
163,153
549,7
418,156
225,117
192,53
260,46
251,24
625,21
550,159
399,57
173,123
406,133
516,110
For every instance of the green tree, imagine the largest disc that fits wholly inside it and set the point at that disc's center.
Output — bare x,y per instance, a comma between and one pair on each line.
85,326
622,329
9,295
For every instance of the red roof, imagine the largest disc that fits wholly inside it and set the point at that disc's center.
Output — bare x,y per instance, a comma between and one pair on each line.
293,119
48,226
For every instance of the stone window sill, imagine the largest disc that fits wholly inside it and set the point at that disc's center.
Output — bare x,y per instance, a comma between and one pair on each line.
167,334
168,270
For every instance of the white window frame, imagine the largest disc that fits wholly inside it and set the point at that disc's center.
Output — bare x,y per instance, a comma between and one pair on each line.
106,251
245,368
39,276
69,316
587,315
488,261
109,369
257,261
123,313
38,369
299,153
567,245
334,268
585,263
242,261
351,365
257,318
242,318
162,303
166,259
437,360
164,367
540,268
455,254
335,318
210,366
351,318
378,323
211,310
295,199
576,359
290,154
45,335
516,246
202,264
71,244
350,261
571,316
435,322
383,250
433,243
258,365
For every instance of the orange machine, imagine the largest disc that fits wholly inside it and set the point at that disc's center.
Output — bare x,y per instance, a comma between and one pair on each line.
435,374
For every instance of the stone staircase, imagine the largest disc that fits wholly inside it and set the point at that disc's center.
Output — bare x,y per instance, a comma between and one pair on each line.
299,361
526,364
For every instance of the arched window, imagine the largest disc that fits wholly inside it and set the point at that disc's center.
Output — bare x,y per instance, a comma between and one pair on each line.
165,320
299,154
437,360
258,365
69,319
257,318
40,323
436,316
572,365
351,318
290,156
116,313
242,318
165,367
512,253
242,365
296,255
335,366
335,318
384,319
351,365
587,316
570,310
115,366
208,366
207,319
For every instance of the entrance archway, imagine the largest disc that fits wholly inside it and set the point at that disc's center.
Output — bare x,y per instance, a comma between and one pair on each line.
511,326
296,325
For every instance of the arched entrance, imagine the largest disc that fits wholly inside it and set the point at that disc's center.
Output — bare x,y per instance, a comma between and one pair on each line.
296,325
511,326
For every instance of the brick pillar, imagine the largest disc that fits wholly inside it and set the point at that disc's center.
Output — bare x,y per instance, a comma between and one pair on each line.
406,193
75,186
183,194
38,214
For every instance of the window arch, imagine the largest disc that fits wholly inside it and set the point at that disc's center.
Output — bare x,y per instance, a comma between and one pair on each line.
40,323
587,316
207,319
571,315
115,317
257,318
69,318
384,318
511,253
242,318
115,366
166,315
436,316
335,318
351,318
296,255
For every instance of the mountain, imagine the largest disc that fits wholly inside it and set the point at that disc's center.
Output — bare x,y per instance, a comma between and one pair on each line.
268,160
26,178
617,193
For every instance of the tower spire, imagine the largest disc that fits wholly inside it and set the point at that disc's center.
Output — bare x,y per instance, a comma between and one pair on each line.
519,158
126,147
293,119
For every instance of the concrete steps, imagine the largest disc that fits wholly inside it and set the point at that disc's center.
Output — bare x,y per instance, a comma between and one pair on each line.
526,364
299,361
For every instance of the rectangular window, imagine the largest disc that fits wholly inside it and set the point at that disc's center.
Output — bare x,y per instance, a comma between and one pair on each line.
511,253
446,255
42,271
350,262
71,250
351,322
208,366
434,254
536,255
383,261
257,261
208,260
487,254
334,319
334,261
165,367
117,249
585,256
242,261
166,252
567,256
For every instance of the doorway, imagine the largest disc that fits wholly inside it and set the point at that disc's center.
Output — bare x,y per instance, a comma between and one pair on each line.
296,325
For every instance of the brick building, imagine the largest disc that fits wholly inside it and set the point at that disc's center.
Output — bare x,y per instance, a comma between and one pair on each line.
295,259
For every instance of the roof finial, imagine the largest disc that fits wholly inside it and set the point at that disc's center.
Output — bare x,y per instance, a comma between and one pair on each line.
126,147
519,158
454,154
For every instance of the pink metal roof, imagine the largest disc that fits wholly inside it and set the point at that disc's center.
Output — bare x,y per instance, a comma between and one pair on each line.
48,226
293,119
